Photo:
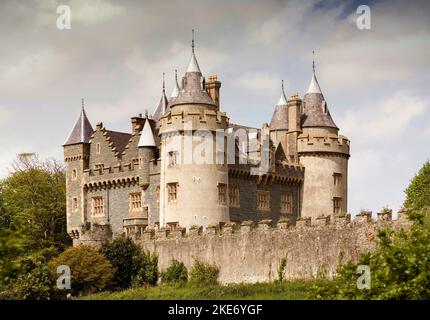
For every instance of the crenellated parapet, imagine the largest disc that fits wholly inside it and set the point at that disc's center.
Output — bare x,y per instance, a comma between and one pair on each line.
363,219
194,118
327,144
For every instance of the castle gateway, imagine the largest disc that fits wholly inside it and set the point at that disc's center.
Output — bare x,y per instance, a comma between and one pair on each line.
188,165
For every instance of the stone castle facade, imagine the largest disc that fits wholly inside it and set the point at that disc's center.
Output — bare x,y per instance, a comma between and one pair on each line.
188,165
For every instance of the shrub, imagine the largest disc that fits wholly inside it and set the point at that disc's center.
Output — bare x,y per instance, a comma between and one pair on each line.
399,267
175,273
35,285
204,273
145,268
121,252
90,270
281,268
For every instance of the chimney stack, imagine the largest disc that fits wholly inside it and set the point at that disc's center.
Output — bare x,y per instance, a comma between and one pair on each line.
212,88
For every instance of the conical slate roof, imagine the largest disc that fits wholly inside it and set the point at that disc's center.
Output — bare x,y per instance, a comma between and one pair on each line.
81,132
193,86
162,107
315,110
147,136
175,90
280,115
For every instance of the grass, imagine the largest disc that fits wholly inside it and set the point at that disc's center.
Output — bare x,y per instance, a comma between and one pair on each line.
287,290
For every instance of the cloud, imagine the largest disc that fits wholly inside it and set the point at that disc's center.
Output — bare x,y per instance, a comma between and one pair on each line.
85,13
259,83
385,120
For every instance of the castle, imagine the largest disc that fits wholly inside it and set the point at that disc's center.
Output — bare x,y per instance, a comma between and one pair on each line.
187,165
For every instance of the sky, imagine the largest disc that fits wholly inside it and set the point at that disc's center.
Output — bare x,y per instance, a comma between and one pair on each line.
375,81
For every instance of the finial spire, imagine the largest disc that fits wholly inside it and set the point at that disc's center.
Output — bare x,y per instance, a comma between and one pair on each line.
282,100
176,75
146,113
192,41
313,61
82,103
193,66
164,87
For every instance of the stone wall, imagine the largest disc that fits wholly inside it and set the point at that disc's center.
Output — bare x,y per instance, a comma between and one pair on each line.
251,252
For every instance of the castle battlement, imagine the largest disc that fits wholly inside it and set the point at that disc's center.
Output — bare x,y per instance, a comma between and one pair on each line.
362,220
206,119
329,143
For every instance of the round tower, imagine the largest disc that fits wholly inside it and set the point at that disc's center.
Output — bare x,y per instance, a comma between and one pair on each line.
194,175
324,154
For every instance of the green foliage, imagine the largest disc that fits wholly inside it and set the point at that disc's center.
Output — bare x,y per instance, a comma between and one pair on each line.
90,270
12,244
38,284
399,268
204,273
145,269
121,253
286,290
281,268
33,197
175,273
418,191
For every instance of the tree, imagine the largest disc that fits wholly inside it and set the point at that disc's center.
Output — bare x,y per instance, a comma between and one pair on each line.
418,191
33,197
121,253
90,270
12,244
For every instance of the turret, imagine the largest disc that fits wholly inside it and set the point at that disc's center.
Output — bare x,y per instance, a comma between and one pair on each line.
279,126
193,189
76,158
324,154
146,151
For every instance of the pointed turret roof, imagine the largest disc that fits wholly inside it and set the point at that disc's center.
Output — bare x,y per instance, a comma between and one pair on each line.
193,66
193,85
82,131
146,136
162,107
314,86
315,110
280,115
175,90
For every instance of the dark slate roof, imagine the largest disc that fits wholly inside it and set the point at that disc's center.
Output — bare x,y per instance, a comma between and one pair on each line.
315,112
162,107
81,132
192,91
280,118
119,139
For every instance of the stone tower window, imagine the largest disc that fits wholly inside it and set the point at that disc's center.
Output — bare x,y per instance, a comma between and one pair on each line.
97,206
135,201
74,174
172,189
98,148
222,193
287,202
157,193
136,162
173,158
263,200
336,204
337,178
234,195
75,204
